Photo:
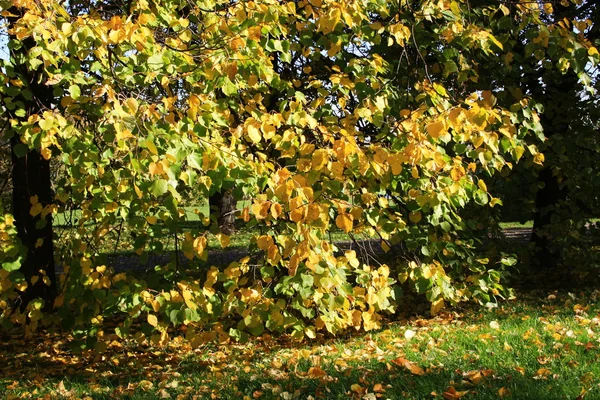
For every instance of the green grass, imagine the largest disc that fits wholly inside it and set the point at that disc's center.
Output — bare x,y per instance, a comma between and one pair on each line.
541,346
511,225
115,242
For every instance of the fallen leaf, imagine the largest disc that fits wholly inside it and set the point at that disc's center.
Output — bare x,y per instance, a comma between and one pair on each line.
520,370
409,334
542,373
543,360
316,372
473,377
357,388
409,365
378,387
495,325
503,392
452,394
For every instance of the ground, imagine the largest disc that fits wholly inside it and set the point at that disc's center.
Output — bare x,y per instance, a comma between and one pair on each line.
541,345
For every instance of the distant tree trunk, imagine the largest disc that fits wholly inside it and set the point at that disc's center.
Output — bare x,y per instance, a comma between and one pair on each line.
546,201
224,205
31,180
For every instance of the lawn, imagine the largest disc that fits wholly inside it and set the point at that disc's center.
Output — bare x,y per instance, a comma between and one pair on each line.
542,345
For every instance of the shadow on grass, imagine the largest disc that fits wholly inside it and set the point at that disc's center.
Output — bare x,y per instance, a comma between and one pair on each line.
136,373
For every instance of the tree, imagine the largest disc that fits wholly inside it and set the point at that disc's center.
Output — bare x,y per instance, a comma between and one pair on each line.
301,107
32,194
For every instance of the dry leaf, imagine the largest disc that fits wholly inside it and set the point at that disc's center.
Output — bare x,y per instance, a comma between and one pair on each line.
409,365
473,377
409,334
452,394
316,372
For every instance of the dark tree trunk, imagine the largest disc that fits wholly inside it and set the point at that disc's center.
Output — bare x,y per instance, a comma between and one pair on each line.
31,177
223,204
560,97
31,180
546,202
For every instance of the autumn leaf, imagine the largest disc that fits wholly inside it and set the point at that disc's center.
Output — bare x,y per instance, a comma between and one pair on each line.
452,394
316,372
409,365
152,320
344,222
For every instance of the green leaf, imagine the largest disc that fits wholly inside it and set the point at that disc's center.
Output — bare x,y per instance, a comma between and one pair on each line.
195,160
155,62
12,265
74,91
20,149
229,87
159,187
481,197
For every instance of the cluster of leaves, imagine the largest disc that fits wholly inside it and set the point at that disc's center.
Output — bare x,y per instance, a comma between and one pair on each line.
298,106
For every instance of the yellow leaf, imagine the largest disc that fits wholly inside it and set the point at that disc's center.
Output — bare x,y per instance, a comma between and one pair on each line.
138,192
415,172
156,169
124,134
396,164
39,243
539,158
385,246
435,129
316,372
132,104
415,217
495,325
268,130
436,306
223,239
503,392
200,245
482,185
254,133
457,172
319,159
151,219
344,222
46,153
264,242
409,365
152,320
188,297
276,210
327,23
452,394
261,210
36,209
151,147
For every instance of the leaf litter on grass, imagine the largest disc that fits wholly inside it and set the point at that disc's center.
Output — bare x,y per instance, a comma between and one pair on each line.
519,350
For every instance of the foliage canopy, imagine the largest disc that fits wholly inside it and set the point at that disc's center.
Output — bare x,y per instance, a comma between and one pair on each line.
372,117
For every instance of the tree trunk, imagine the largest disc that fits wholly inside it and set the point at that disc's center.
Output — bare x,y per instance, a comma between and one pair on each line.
546,202
30,178
31,181
223,204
